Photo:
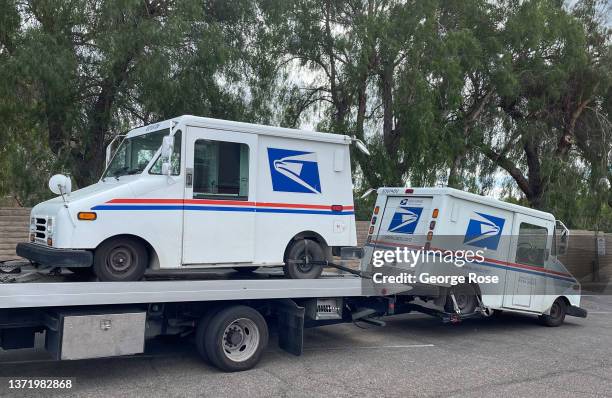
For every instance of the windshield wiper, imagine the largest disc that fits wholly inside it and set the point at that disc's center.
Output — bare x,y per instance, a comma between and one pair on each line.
119,172
134,171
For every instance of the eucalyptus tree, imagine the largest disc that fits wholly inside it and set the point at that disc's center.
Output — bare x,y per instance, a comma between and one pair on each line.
77,72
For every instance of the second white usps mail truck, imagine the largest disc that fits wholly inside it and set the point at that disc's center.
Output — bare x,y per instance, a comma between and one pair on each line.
195,192
471,253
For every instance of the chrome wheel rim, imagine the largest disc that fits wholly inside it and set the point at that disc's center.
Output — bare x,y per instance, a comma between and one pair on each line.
240,340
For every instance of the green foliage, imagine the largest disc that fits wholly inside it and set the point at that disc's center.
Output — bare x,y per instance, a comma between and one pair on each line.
510,96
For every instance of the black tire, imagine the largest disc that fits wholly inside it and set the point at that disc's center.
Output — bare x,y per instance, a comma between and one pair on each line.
557,314
466,299
245,270
120,259
304,250
234,339
201,328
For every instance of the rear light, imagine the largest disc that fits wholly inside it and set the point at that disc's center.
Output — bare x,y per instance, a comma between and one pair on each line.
371,230
430,235
373,220
432,225
376,210
409,190
435,213
427,246
49,242
337,207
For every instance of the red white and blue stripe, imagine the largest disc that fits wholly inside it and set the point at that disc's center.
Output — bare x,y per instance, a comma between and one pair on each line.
490,262
224,206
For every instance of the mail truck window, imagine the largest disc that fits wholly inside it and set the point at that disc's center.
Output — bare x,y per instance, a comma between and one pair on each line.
135,153
221,170
531,245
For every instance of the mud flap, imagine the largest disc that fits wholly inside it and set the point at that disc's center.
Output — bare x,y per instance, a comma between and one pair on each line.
290,326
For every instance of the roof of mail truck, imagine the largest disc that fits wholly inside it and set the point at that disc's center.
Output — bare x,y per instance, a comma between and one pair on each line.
240,127
470,197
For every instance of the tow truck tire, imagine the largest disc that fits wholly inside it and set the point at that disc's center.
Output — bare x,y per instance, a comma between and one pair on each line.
235,338
466,299
304,250
120,259
557,314
201,328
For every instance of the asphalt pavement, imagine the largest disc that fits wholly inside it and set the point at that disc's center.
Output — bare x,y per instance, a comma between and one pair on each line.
414,355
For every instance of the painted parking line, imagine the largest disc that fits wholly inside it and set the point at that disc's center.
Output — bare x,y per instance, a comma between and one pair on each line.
374,347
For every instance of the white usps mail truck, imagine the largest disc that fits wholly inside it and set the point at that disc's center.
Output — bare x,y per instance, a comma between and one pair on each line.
467,253
195,192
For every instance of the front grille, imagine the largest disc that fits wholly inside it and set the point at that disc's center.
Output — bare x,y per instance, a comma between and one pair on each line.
41,229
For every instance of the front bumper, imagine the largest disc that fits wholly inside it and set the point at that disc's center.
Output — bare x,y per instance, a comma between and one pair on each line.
54,257
572,310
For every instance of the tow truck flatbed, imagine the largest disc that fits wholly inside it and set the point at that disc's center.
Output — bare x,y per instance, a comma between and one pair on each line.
87,319
61,294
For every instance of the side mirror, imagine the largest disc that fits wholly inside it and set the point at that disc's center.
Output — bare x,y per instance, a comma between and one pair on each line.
60,184
166,154
109,148
367,193
562,238
361,146
109,154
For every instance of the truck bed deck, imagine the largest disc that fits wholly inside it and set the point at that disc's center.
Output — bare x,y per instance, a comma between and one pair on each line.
67,293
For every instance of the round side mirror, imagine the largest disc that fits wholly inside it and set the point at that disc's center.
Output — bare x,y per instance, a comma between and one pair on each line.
60,184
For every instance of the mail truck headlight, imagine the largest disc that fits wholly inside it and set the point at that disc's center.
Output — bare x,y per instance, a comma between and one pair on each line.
50,226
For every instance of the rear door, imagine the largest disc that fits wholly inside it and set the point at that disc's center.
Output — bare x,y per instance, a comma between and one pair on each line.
529,249
405,221
219,211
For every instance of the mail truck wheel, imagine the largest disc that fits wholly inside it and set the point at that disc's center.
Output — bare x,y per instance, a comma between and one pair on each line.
302,253
465,297
557,314
120,259
235,338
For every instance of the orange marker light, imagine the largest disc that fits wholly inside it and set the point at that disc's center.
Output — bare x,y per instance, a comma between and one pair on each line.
435,213
87,216
376,210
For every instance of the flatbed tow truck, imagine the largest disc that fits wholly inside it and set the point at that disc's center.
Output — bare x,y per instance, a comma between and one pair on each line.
228,318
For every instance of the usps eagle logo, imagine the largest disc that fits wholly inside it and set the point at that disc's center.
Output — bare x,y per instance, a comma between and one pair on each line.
294,171
484,231
405,220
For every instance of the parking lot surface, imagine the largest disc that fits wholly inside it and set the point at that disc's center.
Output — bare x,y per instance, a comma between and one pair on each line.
414,355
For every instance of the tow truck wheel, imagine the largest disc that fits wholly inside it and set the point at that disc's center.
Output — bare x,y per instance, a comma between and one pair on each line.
235,338
465,297
557,314
298,264
120,259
